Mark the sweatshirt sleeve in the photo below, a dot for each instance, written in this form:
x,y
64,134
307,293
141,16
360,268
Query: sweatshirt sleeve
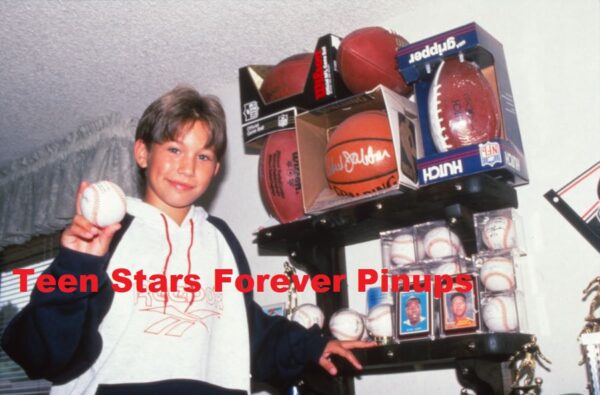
x,y
55,336
281,349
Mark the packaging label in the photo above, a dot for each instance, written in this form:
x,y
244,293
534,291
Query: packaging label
x,y
490,154
443,170
323,84
436,49
250,111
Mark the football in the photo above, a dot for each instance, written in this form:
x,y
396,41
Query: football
x,y
279,176
367,58
463,107
360,155
287,78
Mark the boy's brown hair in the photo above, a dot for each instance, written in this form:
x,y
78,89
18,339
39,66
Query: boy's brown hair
x,y
179,108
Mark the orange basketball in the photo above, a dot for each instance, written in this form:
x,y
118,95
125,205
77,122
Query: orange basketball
x,y
360,155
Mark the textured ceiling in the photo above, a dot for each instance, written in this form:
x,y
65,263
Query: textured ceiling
x,y
64,63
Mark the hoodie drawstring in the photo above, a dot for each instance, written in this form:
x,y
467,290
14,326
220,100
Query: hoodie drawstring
x,y
189,259
166,259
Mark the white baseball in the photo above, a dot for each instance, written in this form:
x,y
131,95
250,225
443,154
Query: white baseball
x,y
447,268
308,315
500,314
346,324
441,242
103,203
497,274
404,251
379,320
499,233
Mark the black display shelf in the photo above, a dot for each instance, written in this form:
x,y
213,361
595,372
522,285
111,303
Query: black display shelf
x,y
316,245
440,353
455,200
479,361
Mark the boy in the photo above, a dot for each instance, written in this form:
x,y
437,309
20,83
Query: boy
x,y
203,342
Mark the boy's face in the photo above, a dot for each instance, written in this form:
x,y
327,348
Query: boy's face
x,y
178,172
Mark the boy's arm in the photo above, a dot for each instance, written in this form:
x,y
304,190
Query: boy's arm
x,y
281,349
56,335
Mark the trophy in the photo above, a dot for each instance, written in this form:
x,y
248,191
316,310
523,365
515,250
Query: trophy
x,y
524,363
590,338
292,295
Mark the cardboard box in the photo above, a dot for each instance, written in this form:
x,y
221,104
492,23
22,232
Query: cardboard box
x,y
323,85
314,127
504,156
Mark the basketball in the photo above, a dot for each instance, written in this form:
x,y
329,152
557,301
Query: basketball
x,y
367,58
279,176
287,78
360,155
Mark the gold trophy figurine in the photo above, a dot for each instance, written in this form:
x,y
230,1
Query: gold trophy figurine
x,y
589,338
524,362
292,300
592,323
594,284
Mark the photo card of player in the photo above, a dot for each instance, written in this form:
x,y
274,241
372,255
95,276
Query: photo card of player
x,y
460,309
414,315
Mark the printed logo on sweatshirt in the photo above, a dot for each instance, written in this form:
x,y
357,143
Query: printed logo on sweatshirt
x,y
174,313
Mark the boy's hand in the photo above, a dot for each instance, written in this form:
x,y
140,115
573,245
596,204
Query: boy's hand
x,y
83,236
342,348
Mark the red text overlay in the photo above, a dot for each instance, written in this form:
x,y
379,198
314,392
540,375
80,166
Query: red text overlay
x,y
123,280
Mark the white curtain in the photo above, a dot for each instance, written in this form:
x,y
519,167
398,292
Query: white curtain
x,y
37,192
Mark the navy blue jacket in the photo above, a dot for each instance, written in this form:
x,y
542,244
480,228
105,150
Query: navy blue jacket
x,y
56,336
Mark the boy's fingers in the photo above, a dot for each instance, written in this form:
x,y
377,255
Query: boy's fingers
x,y
80,232
80,220
328,366
108,232
358,344
350,357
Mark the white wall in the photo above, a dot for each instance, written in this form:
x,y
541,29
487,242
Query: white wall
x,y
552,50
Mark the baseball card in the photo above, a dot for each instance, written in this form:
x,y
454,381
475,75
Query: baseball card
x,y
460,311
413,315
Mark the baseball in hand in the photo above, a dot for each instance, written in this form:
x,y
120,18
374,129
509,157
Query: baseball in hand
x,y
103,203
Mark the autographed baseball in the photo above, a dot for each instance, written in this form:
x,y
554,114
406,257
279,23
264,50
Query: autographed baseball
x,y
379,320
346,324
103,203
500,314
441,242
403,250
308,315
497,274
499,233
